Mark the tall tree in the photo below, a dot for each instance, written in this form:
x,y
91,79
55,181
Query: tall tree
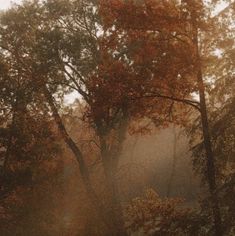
x,y
194,10
145,51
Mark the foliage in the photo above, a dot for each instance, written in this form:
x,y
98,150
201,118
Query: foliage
x,y
128,62
153,215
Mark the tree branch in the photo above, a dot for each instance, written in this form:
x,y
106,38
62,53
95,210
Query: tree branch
x,y
192,103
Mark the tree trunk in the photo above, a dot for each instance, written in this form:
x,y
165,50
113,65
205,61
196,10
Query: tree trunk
x,y
114,204
174,160
210,159
110,160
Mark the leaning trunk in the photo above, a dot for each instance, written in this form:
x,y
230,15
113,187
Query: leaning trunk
x,y
96,202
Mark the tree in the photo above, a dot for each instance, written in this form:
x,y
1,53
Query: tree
x,y
193,20
42,66
210,163
109,113
96,48
217,67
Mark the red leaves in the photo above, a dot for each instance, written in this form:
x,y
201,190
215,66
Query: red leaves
x,y
144,49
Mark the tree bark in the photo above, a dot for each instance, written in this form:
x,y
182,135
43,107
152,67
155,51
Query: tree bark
x,y
210,159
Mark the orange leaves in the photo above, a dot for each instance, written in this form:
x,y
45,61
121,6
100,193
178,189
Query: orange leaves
x,y
108,88
144,49
154,215
149,36
148,15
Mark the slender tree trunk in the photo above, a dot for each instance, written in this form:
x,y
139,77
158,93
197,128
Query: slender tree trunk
x,y
174,160
210,159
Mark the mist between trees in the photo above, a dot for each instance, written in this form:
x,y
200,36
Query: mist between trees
x,y
147,148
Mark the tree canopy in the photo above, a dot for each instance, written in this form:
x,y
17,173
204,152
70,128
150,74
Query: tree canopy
x,y
135,66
